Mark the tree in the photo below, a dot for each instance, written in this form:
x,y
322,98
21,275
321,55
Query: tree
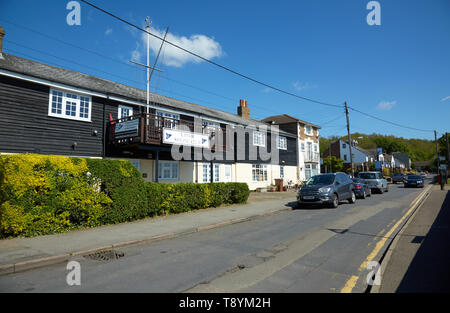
x,y
333,163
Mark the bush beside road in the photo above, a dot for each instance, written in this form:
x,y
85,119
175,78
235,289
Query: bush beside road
x,y
50,194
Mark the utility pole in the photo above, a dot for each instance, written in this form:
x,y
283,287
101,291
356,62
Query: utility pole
x,y
438,162
448,151
437,151
147,20
331,163
448,155
349,139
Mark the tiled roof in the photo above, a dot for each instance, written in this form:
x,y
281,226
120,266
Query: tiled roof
x,y
285,119
71,78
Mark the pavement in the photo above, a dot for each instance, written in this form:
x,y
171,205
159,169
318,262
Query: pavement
x,y
417,260
20,254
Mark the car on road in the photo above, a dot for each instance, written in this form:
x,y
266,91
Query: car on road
x,y
375,180
398,178
362,190
413,181
327,189
423,175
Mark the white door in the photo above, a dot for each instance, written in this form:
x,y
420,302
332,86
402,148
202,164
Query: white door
x,y
227,177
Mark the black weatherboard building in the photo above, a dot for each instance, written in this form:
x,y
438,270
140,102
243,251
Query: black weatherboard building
x,y
50,110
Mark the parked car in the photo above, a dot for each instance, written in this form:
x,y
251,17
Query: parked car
x,y
327,189
362,190
413,180
398,178
375,180
423,175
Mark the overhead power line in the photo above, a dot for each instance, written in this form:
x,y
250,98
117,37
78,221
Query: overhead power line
x,y
389,122
209,61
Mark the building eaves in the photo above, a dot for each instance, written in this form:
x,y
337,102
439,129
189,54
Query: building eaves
x,y
80,80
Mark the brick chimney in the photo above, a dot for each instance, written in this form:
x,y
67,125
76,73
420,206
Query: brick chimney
x,y
2,33
243,110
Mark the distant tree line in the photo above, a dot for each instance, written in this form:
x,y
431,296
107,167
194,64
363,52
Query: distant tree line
x,y
416,149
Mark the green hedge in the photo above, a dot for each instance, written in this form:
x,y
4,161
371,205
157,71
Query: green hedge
x,y
181,197
123,184
42,194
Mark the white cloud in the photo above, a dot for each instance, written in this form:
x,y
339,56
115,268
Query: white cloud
x,y
136,53
108,31
385,105
303,86
202,45
445,99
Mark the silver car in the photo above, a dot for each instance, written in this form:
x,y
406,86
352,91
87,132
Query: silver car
x,y
375,180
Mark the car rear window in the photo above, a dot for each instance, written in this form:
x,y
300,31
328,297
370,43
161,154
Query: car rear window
x,y
367,175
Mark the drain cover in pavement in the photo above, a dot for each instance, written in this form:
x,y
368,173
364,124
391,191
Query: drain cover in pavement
x,y
106,255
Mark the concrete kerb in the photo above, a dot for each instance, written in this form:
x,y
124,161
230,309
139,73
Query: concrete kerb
x,y
393,245
52,260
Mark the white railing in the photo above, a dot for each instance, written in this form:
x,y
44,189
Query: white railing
x,y
311,157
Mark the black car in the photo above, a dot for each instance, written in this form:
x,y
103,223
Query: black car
x,y
413,180
362,190
398,178
327,189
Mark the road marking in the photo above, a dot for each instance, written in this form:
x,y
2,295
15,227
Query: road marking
x,y
352,282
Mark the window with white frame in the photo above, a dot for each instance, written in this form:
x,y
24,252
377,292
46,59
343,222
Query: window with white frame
x,y
302,146
282,143
216,173
308,130
281,171
207,173
125,111
259,139
171,120
69,105
259,172
210,124
315,148
168,170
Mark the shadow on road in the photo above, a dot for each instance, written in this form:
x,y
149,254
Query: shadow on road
x,y
429,271
294,205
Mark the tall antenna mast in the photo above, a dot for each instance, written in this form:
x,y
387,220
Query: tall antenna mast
x,y
147,20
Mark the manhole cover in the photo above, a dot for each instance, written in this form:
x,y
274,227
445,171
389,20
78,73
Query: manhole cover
x,y
106,255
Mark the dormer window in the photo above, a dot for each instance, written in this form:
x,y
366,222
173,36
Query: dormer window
x,y
308,130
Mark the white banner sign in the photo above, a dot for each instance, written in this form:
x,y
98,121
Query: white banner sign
x,y
184,138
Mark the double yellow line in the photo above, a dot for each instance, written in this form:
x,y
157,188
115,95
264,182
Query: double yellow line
x,y
351,282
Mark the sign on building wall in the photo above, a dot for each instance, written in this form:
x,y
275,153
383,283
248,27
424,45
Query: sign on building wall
x,y
127,129
178,137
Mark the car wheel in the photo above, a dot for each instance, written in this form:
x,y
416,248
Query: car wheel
x,y
381,190
335,202
352,199
364,194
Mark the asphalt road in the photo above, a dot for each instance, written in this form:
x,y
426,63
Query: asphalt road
x,y
303,250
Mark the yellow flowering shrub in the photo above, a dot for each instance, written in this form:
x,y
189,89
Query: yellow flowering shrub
x,y
41,194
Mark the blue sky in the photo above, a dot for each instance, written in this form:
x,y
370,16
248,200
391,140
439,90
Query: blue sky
x,y
323,50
